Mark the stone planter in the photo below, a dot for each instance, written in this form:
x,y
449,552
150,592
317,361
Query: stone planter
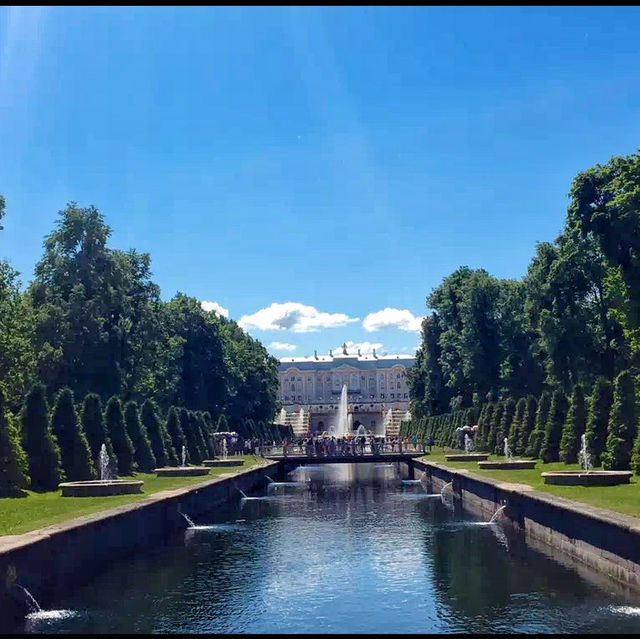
x,y
591,478
467,457
181,471
216,463
516,464
101,488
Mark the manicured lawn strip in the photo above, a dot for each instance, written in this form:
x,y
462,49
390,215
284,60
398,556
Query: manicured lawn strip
x,y
38,510
624,498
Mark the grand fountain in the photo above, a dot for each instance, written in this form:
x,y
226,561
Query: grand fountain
x,y
104,486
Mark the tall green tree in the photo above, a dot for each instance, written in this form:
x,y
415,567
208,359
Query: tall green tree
x,y
623,424
75,452
39,442
550,449
536,438
574,427
174,428
494,427
527,425
505,425
598,419
151,422
94,428
13,460
191,441
516,427
117,432
143,454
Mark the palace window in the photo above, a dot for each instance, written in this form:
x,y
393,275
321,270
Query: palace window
x,y
392,396
398,384
382,395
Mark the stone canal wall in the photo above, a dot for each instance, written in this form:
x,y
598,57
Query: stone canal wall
x,y
604,541
51,561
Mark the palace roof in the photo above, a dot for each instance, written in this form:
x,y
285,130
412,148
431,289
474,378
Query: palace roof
x,y
329,362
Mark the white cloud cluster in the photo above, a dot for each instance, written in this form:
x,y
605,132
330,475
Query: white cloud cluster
x,y
366,348
282,346
215,307
293,316
402,319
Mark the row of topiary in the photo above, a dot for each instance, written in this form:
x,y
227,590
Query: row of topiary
x,y
39,448
550,428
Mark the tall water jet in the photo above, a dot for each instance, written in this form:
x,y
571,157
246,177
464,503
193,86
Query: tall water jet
x,y
583,456
350,422
468,444
507,451
184,456
105,473
342,425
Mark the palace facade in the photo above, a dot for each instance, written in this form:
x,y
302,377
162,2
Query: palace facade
x,y
377,392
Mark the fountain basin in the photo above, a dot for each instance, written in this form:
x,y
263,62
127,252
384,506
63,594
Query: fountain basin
x,y
467,457
584,478
215,463
516,464
101,488
181,471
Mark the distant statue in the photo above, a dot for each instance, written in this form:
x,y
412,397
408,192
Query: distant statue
x,y
344,348
359,353
330,353
374,352
315,354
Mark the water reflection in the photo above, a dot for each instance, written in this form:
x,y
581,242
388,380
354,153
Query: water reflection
x,y
353,549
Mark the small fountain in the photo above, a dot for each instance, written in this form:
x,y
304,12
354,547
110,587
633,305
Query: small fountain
x,y
350,422
587,476
509,463
469,446
103,487
225,461
182,471
497,514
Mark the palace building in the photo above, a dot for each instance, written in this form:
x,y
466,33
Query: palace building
x,y
377,392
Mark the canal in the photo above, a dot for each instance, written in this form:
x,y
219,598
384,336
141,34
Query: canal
x,y
345,549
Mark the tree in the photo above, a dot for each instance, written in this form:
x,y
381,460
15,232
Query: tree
x,y
623,424
39,442
152,424
221,425
13,460
116,429
550,449
598,419
574,427
191,441
516,427
198,436
174,428
143,454
528,424
484,424
505,425
496,420
94,428
534,443
75,452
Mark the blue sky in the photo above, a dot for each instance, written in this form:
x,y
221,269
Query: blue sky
x,y
334,162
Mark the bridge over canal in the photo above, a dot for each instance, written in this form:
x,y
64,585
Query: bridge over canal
x,y
289,462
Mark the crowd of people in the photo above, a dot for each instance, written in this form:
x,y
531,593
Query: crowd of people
x,y
331,446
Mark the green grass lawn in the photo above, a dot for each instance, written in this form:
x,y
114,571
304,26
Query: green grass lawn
x,y
623,499
20,515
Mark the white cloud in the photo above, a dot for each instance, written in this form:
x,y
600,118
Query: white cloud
x,y
410,349
282,346
403,319
215,307
366,348
293,316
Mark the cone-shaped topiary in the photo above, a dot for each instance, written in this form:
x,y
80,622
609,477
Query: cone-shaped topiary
x,y
117,432
534,444
40,443
598,419
222,426
96,433
550,449
207,429
527,425
142,452
516,426
623,424
151,422
174,428
74,447
494,427
574,427
190,437
13,459
484,424
197,431
505,425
